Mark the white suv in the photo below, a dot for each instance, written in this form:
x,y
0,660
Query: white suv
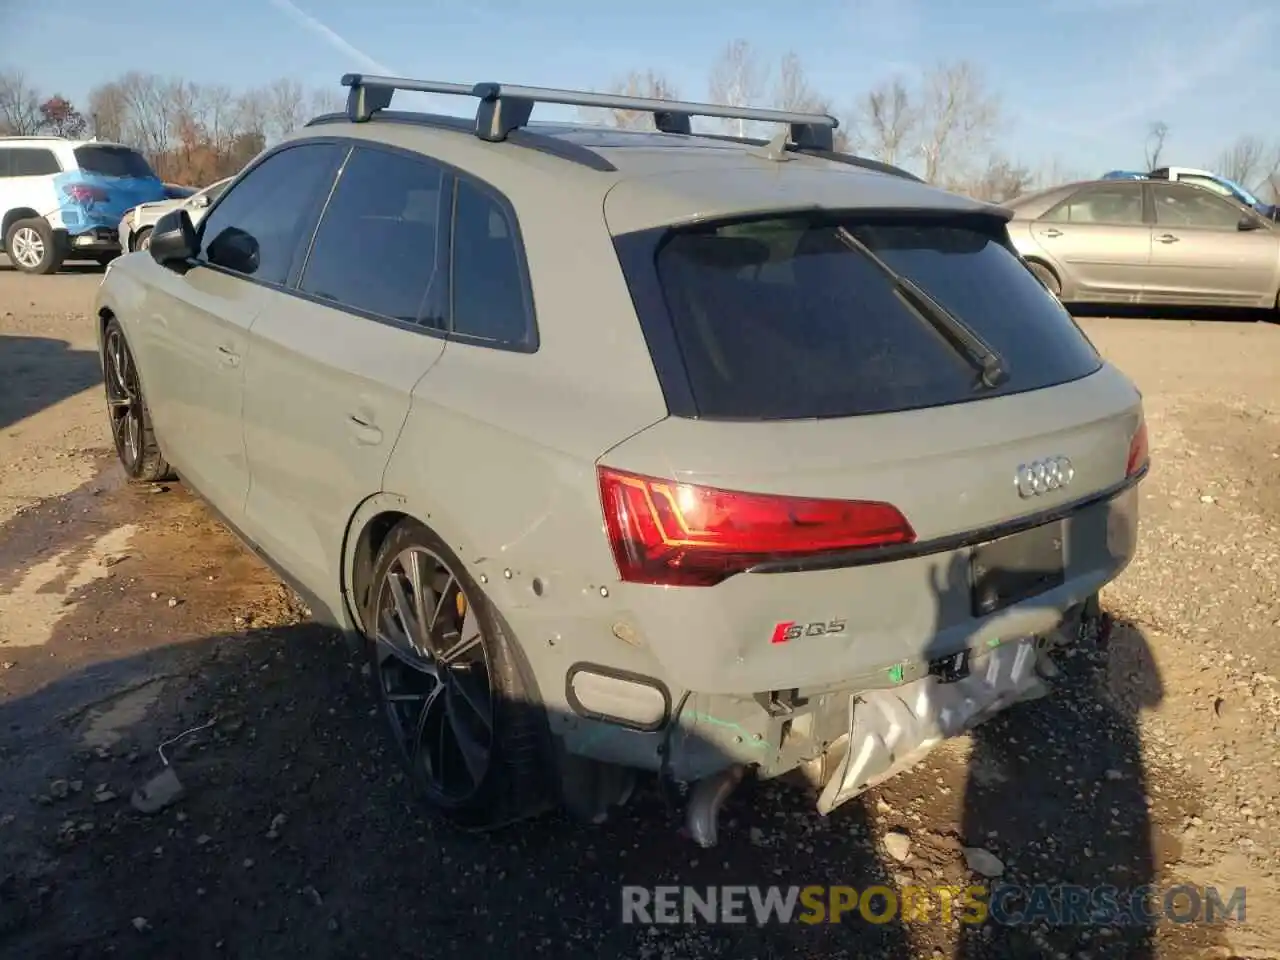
x,y
62,199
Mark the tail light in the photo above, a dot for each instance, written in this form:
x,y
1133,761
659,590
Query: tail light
x,y
680,534
81,193
1139,453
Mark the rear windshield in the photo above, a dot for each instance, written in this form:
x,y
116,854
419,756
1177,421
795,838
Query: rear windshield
x,y
783,319
113,162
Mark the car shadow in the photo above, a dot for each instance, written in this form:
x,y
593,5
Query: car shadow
x,y
1195,314
68,266
299,835
38,372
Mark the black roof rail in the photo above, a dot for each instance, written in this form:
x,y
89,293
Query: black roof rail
x,y
505,108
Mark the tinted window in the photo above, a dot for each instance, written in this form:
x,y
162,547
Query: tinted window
x,y
113,162
488,279
1117,204
4,162
376,246
257,226
782,318
30,162
1193,207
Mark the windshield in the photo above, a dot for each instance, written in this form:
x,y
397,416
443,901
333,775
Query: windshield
x,y
780,319
113,162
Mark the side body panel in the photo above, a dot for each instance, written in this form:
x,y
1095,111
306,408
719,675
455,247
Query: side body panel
x,y
326,395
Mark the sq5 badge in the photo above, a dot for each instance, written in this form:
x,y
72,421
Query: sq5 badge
x,y
790,630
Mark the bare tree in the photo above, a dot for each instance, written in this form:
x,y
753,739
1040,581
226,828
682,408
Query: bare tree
x,y
108,111
648,84
1250,162
326,100
958,117
1002,180
792,91
286,107
889,121
19,105
738,79
1157,133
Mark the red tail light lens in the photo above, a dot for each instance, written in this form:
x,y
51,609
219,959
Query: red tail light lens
x,y
1139,453
680,534
84,194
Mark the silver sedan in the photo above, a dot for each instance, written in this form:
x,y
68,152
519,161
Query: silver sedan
x,y
1147,242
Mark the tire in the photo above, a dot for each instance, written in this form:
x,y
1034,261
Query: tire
x,y
493,708
32,246
128,414
142,239
1046,277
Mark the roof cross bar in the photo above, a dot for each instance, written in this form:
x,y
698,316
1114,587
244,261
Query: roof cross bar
x,y
507,107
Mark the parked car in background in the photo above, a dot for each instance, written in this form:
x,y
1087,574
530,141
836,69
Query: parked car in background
x,y
811,519
137,223
1148,241
62,199
1123,175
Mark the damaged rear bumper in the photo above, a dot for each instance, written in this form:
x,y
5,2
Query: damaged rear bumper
x,y
846,742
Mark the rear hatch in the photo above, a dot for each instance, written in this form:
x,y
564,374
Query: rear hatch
x,y
110,179
860,401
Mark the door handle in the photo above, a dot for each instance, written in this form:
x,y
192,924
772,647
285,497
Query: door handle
x,y
365,430
1167,238
229,356
1053,232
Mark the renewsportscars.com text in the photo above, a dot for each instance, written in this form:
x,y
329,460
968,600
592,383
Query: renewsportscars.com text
x,y
1005,904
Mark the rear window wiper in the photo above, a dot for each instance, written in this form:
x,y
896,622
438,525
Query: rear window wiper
x,y
962,338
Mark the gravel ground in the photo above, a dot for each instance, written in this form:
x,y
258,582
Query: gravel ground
x,y
127,616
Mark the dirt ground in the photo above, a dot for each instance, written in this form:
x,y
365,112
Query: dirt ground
x,y
127,617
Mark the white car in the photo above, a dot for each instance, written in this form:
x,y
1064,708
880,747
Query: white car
x,y
137,223
62,199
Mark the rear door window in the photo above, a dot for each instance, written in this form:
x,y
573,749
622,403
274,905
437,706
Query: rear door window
x,y
377,247
33,162
113,162
783,319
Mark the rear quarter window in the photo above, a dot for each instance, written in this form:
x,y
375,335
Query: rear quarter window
x,y
113,162
782,319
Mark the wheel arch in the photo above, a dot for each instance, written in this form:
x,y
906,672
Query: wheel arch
x,y
138,234
13,216
367,529
1041,261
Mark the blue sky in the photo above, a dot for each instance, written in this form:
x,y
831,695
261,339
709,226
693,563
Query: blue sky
x,y
1079,80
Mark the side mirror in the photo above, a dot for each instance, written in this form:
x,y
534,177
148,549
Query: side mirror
x,y
173,240
1246,223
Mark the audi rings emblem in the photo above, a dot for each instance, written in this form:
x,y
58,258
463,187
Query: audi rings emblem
x,y
1041,476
